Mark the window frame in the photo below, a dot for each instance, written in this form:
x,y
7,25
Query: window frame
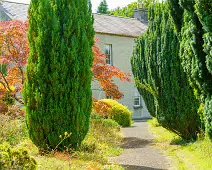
x,y
135,100
108,56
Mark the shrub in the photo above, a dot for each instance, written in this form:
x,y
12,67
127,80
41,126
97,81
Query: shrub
x,y
17,158
121,114
107,123
12,131
102,140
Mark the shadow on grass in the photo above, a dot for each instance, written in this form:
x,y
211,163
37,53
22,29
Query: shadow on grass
x,y
133,142
133,167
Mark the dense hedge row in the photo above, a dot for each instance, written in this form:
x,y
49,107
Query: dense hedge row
x,y
157,67
57,93
195,36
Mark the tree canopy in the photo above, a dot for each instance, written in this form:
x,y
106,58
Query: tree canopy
x,y
103,7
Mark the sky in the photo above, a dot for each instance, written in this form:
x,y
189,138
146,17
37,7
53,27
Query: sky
x,y
95,3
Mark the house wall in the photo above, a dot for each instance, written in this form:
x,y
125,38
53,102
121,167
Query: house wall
x,y
122,50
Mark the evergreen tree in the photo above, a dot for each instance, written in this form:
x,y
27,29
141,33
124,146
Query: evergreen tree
x,y
194,27
158,71
103,7
57,93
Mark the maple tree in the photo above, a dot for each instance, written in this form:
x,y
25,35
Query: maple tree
x,y
105,75
14,52
14,48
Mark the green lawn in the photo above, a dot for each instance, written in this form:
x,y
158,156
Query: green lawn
x,y
187,156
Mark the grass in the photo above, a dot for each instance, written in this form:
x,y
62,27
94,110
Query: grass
x,y
102,142
187,156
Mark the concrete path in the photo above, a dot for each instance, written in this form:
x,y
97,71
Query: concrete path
x,y
139,152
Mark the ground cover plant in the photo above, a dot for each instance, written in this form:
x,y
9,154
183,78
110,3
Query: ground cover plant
x,y
194,155
103,140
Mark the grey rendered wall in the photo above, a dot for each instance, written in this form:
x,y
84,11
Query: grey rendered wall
x,y
122,49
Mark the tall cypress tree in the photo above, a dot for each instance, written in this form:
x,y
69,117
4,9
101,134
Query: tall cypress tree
x,y
103,7
195,35
156,65
57,93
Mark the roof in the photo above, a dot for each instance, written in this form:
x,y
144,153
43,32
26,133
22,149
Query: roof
x,y
16,11
105,24
109,24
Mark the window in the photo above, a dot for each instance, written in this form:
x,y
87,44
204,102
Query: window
x,y
108,53
137,101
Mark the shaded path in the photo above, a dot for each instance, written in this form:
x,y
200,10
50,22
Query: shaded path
x,y
139,153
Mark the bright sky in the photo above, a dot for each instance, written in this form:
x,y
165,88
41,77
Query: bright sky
x,y
111,3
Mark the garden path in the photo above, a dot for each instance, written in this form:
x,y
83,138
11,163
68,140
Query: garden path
x,y
139,151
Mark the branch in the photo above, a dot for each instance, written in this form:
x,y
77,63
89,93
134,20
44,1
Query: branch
x,y
5,80
18,99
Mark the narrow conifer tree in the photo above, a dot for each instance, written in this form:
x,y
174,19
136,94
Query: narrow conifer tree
x,y
57,92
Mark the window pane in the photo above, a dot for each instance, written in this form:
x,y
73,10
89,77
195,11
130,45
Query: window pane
x,y
108,53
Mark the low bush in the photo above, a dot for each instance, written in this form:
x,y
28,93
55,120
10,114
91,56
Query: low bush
x,y
12,130
102,140
17,158
107,123
121,114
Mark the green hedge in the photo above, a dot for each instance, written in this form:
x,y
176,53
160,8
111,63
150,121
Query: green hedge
x,y
195,35
157,68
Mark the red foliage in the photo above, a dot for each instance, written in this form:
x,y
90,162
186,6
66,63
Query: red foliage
x,y
14,50
105,74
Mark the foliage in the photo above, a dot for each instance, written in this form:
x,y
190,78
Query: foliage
x,y
148,96
157,67
147,3
15,158
127,11
104,74
14,53
120,113
103,7
103,138
57,92
195,32
12,131
102,141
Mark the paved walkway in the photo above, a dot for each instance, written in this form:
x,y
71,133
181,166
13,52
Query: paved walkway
x,y
139,152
